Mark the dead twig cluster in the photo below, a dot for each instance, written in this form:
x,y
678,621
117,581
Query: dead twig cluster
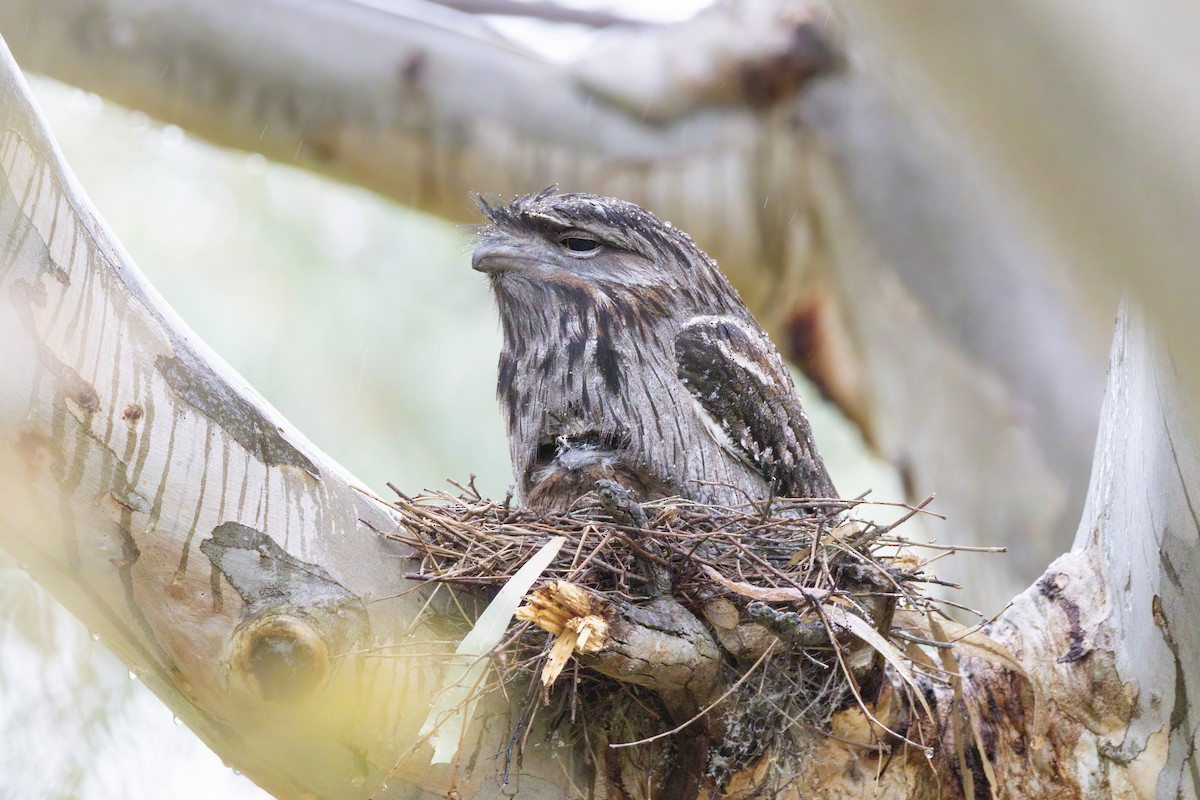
x,y
807,546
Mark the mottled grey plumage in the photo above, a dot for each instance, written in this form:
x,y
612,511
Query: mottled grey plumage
x,y
628,356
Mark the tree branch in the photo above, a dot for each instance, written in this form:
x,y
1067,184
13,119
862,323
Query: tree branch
x,y
216,551
229,561
1108,635
1091,130
534,9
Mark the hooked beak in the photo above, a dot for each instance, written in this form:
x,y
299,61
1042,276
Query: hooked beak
x,y
493,257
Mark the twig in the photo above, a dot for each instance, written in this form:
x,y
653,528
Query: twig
x,y
704,710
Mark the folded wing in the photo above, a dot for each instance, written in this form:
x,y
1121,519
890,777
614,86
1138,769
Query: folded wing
x,y
741,385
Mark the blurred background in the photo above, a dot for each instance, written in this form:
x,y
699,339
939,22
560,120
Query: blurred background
x,y
358,318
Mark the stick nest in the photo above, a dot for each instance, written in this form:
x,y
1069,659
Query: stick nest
x,y
784,565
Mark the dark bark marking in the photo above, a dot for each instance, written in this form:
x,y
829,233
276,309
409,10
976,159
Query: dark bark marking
x,y
1181,724
197,384
809,54
1051,589
981,784
85,399
1164,561
214,583
1183,483
413,69
265,575
321,146
186,550
804,343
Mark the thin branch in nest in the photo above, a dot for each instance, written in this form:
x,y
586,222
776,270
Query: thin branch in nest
x,y
702,711
912,512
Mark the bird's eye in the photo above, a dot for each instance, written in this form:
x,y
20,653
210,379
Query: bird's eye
x,y
579,244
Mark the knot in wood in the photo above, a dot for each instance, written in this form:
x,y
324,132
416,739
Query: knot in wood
x,y
280,658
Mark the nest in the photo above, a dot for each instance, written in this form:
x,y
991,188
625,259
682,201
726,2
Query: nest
x,y
823,590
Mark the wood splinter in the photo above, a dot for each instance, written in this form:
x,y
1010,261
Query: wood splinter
x,y
576,618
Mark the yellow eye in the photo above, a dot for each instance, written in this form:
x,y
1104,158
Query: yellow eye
x,y
579,244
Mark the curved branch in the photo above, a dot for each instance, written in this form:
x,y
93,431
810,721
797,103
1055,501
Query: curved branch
x,y
1108,634
1092,130
223,557
416,101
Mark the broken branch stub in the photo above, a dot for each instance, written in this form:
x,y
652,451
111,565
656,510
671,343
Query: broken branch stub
x,y
567,612
660,645
294,615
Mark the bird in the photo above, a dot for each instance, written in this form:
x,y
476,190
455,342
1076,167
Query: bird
x,y
627,356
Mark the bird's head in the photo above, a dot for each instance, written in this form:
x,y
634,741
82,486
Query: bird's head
x,y
583,241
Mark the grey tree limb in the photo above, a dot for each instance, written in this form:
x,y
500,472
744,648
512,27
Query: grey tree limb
x,y
1108,634
1085,114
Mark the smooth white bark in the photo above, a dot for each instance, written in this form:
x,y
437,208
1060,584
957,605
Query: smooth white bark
x,y
1142,532
1109,634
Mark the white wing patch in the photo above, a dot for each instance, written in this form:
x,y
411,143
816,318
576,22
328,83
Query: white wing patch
x,y
738,358
720,434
